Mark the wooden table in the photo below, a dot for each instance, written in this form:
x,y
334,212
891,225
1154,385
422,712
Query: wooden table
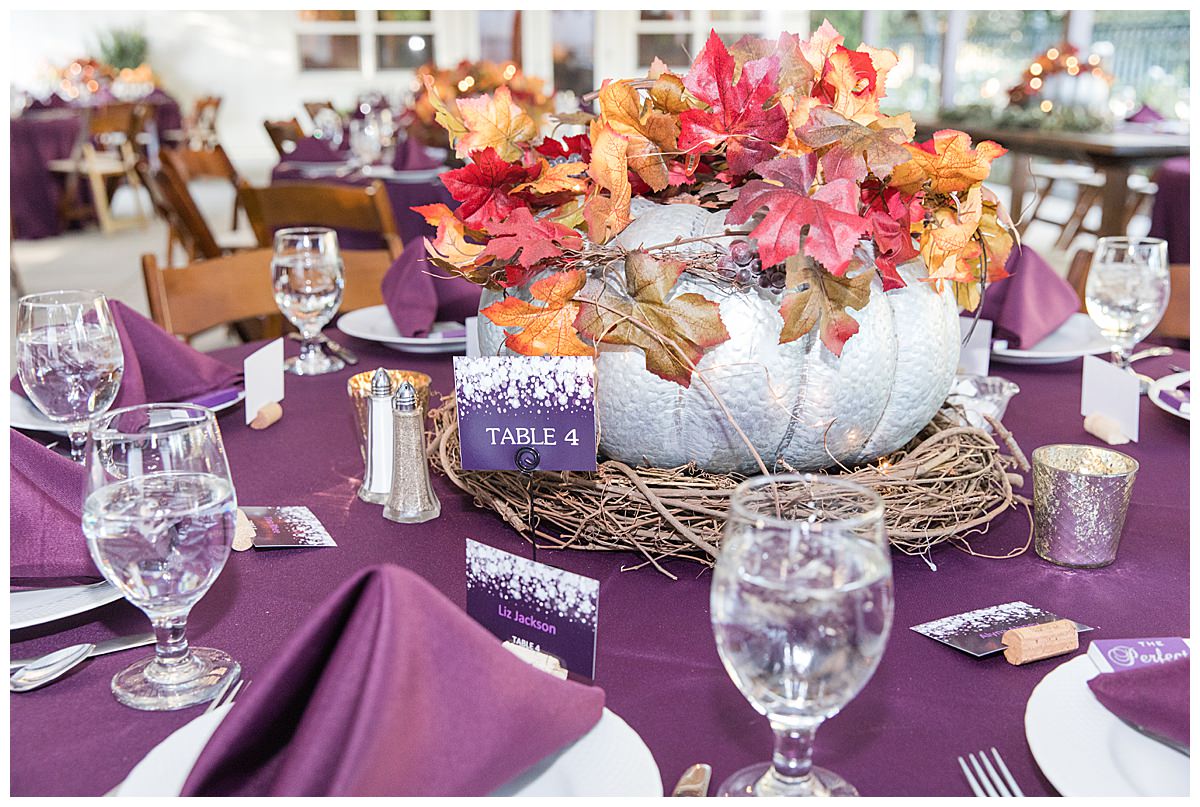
x,y
1114,153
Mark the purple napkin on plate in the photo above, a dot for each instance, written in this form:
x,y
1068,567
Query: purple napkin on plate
x,y
418,294
411,156
1029,305
1153,698
1146,114
312,150
388,688
158,367
46,544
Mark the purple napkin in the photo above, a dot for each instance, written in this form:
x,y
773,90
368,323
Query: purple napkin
x,y
411,156
158,367
312,150
1031,304
47,547
418,294
1146,114
388,688
1153,698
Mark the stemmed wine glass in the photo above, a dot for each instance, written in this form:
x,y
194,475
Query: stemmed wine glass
x,y
801,610
1128,287
308,278
366,139
159,514
69,358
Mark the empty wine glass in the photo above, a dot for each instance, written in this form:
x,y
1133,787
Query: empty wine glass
x,y
366,139
801,610
307,276
328,125
1128,286
69,358
159,514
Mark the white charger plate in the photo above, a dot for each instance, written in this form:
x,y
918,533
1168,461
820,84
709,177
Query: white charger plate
x,y
610,760
1165,384
1075,338
24,415
1085,750
38,606
375,324
409,177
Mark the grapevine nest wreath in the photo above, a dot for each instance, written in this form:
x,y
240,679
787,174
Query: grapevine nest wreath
x,y
946,485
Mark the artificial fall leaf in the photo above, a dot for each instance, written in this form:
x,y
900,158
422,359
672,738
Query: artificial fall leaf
x,y
494,122
454,126
451,243
849,149
889,214
822,300
996,232
558,178
535,239
607,208
738,116
948,162
820,46
568,214
797,109
570,147
484,187
829,214
673,334
848,85
903,122
651,134
947,242
580,118
657,68
547,330
794,71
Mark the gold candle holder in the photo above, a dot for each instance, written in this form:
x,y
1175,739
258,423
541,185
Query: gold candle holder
x,y
358,387
1080,496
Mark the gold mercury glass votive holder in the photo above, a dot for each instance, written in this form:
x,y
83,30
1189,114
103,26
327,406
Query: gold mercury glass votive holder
x,y
1080,496
358,387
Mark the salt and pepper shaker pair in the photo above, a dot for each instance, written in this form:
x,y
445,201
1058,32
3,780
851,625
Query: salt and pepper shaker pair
x,y
397,473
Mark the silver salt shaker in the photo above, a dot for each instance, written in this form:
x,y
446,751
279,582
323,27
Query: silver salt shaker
x,y
412,499
377,480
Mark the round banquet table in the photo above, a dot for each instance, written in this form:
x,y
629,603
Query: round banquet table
x,y
656,659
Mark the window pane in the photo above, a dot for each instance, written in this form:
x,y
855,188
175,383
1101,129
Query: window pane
x,y
736,16
671,48
574,42
848,24
500,36
998,47
327,16
678,16
1147,54
328,52
403,52
916,37
404,16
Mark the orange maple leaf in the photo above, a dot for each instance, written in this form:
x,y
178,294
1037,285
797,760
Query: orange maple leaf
x,y
450,244
547,330
948,162
493,122
651,134
563,177
607,215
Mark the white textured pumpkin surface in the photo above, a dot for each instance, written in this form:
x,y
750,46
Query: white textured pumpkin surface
x,y
795,402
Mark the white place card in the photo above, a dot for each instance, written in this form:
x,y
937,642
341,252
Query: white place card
x,y
1110,391
472,325
976,354
263,370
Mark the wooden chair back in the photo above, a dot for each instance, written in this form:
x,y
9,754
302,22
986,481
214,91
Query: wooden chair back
x,y
1176,321
193,228
121,118
206,162
283,131
303,204
213,292
314,107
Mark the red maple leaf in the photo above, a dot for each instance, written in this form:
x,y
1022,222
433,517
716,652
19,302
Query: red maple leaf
x,y
571,146
889,214
483,187
535,239
830,214
736,116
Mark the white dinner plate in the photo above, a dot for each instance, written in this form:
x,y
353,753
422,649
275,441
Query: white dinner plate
x,y
1166,384
24,415
389,174
1085,750
318,169
38,606
375,324
1075,338
610,760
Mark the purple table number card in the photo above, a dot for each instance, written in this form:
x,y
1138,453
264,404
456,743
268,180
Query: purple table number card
x,y
549,610
978,632
507,404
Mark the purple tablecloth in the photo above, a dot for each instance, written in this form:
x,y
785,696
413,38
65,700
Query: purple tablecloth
x,y
1171,216
656,659
36,139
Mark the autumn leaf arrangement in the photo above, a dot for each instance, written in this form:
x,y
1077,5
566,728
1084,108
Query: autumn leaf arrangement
x,y
822,192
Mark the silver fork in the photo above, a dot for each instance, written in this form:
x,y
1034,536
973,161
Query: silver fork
x,y
226,695
994,783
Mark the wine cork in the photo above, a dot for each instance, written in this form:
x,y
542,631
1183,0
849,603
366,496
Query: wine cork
x,y
1035,642
267,415
243,533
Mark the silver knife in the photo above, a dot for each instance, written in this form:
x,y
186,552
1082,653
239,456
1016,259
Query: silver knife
x,y
1167,741
333,347
101,648
694,781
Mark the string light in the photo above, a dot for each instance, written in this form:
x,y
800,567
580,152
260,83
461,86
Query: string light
x,y
1052,54
1046,105
1035,83
509,72
1073,70
1094,59
1035,69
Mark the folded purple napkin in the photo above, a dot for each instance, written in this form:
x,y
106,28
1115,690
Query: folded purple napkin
x,y
1029,305
388,688
418,294
1146,114
158,367
312,150
411,156
1154,698
46,547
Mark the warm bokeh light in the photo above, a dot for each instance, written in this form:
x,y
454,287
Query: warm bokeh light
x,y
1035,68
1052,53
1035,84
1046,106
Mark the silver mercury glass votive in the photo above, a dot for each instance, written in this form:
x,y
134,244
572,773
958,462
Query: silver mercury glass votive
x,y
1080,495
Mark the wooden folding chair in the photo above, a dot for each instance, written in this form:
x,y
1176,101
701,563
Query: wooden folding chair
x,y
209,161
312,108
283,132
1176,321
192,229
201,126
302,204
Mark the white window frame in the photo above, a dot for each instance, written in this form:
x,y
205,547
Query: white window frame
x,y
367,26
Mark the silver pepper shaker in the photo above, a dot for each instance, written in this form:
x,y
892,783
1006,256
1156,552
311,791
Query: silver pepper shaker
x,y
412,499
377,480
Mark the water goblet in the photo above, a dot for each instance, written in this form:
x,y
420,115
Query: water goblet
x,y
328,127
69,358
159,514
1128,286
366,139
308,279
801,610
